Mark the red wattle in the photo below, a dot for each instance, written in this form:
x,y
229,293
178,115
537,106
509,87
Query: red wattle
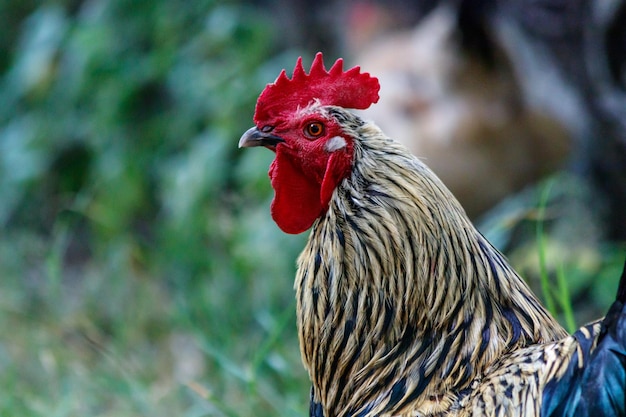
x,y
296,203
337,168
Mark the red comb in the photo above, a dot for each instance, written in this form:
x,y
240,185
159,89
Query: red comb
x,y
349,89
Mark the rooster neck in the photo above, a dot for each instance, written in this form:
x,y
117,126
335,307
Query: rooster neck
x,y
400,300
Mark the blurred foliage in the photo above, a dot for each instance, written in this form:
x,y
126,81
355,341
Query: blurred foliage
x,y
553,236
131,226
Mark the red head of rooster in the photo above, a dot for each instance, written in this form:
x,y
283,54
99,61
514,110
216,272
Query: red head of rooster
x,y
313,153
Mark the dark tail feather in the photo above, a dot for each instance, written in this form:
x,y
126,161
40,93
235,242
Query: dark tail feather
x,y
621,288
595,386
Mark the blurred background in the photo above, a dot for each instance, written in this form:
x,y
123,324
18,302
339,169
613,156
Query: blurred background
x,y
140,271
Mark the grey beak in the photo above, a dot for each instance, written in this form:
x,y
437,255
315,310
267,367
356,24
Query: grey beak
x,y
254,137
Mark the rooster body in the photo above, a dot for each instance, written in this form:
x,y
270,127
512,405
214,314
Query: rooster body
x,y
403,307
417,285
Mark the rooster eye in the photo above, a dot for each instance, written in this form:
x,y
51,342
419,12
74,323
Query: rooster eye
x,y
314,130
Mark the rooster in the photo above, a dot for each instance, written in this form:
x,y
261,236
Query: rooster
x,y
403,307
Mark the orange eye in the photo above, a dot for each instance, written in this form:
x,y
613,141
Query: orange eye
x,y
314,129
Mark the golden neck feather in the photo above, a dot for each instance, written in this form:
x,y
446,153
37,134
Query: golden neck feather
x,y
400,300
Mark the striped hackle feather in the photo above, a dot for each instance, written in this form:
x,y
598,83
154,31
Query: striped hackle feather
x,y
402,303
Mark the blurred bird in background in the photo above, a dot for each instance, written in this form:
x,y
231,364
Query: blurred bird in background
x,y
462,111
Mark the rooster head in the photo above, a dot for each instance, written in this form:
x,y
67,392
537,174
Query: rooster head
x,y
297,118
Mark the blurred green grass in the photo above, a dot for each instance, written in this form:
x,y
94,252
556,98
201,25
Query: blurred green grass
x,y
141,274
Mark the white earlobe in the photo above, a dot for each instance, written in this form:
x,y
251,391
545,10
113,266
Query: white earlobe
x,y
334,144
